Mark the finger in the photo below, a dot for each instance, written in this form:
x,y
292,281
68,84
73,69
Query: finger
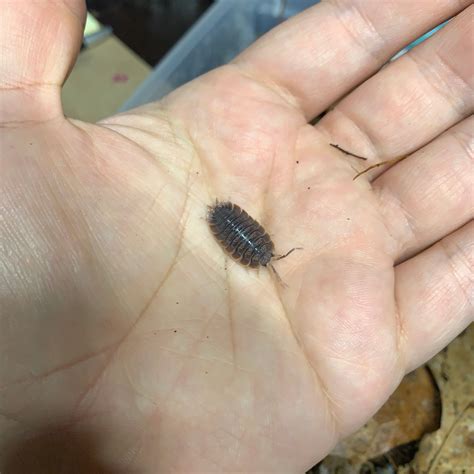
x,y
412,100
326,51
39,42
429,195
434,291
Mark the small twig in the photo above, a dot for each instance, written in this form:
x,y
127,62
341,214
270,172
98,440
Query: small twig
x,y
347,152
386,162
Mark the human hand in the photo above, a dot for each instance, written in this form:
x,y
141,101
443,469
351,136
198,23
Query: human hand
x,y
130,343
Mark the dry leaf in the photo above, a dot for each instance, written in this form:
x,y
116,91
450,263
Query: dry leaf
x,y
450,449
411,411
391,437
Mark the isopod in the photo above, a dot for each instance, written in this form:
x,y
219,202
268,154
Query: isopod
x,y
242,237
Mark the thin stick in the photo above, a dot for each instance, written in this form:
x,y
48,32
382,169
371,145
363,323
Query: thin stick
x,y
347,152
386,162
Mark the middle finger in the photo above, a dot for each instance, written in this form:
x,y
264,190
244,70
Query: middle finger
x,y
411,101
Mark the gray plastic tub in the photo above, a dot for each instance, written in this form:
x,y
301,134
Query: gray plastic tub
x,y
223,31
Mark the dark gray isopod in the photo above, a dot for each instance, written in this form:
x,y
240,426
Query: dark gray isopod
x,y
242,236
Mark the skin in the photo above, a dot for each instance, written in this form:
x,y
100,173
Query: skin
x,y
129,343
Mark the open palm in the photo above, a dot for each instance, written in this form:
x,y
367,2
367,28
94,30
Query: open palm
x,y
131,343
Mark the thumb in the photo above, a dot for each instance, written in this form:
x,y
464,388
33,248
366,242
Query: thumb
x,y
39,41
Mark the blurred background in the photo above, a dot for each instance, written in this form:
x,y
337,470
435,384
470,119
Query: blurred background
x,y
149,27
136,51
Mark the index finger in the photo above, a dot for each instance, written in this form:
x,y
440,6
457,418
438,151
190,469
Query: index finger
x,y
323,53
